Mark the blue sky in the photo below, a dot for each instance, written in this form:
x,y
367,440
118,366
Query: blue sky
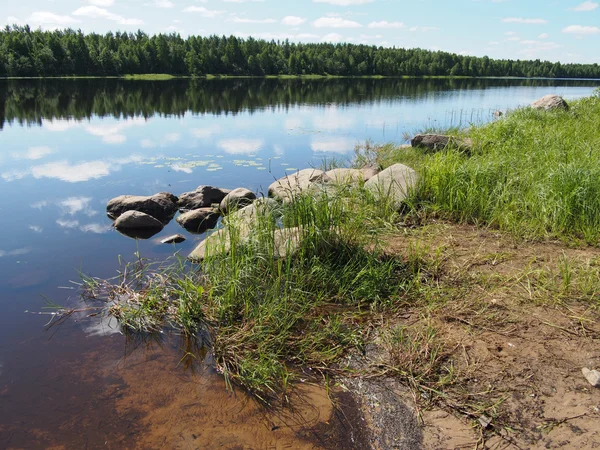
x,y
556,30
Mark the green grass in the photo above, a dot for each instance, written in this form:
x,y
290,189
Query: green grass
x,y
534,174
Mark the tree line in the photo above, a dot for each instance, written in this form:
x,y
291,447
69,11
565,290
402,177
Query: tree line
x,y
28,102
25,52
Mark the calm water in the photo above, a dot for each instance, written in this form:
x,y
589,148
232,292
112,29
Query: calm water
x,y
67,147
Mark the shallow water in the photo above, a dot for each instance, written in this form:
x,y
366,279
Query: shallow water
x,y
67,147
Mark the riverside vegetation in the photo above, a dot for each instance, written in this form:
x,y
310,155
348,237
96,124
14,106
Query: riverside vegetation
x,y
368,274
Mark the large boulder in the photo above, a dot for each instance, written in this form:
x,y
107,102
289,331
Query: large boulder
x,y
236,199
162,206
393,183
137,220
248,215
440,141
286,241
350,176
199,220
550,102
202,197
290,186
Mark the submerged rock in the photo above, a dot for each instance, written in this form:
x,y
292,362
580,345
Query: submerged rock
x,y
199,220
393,184
202,197
175,239
350,176
440,142
550,102
161,206
286,188
137,220
236,199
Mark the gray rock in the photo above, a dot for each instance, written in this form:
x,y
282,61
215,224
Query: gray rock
x,y
593,376
393,183
202,197
162,206
236,199
286,188
137,220
199,220
248,214
440,142
175,239
550,102
286,241
350,176
497,114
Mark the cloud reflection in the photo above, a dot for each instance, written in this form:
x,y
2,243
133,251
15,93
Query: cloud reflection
x,y
33,153
17,252
332,145
73,205
96,228
241,146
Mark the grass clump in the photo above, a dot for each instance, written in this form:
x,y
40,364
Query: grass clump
x,y
534,173
272,307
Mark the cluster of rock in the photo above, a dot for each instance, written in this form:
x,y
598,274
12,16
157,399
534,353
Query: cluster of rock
x,y
201,209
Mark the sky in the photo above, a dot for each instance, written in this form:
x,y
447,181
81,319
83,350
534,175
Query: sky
x,y
554,30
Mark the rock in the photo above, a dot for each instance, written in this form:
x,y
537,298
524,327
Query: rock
x,y
369,172
162,206
139,233
202,197
236,199
286,241
286,188
248,214
350,176
137,220
497,114
199,220
550,102
394,182
175,239
216,243
440,142
593,376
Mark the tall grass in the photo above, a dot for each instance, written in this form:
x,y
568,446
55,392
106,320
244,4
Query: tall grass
x,y
535,174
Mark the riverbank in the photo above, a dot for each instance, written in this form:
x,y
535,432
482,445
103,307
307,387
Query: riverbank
x,y
455,300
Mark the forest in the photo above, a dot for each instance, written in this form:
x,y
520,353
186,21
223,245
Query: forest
x,y
25,52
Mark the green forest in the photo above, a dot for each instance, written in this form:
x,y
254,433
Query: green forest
x,y
25,52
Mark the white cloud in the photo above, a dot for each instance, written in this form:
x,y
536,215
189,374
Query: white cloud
x,y
36,228
163,4
241,146
293,21
67,223
93,12
101,2
332,37
147,143
581,30
385,24
112,133
423,29
543,36
246,20
344,2
335,22
585,6
204,12
239,1
524,20
49,18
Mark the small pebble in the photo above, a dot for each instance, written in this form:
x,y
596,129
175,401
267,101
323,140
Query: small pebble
x,y
175,239
593,376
